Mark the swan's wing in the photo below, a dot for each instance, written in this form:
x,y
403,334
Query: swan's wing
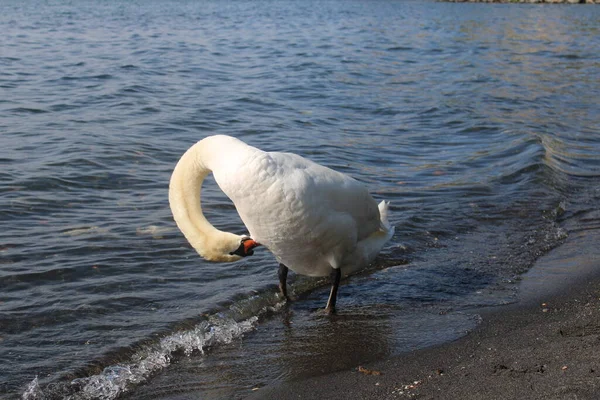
x,y
283,188
330,192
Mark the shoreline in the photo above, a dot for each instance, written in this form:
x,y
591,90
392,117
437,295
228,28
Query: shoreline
x,y
543,347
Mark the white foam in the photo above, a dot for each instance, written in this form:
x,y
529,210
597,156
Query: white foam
x,y
116,379
33,391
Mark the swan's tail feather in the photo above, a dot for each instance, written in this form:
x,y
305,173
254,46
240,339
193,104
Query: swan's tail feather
x,y
367,249
383,214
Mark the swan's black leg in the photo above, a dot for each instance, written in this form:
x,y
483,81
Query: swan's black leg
x,y
336,275
283,271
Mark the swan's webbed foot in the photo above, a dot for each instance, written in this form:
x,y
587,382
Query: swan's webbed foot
x,y
283,272
336,275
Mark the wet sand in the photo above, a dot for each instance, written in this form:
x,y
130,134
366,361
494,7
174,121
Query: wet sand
x,y
545,347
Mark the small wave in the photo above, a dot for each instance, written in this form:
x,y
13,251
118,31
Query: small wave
x,y
570,157
400,48
96,77
27,110
136,89
569,56
9,59
155,231
136,364
85,231
117,379
63,107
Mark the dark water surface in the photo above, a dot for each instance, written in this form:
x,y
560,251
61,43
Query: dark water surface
x,y
479,122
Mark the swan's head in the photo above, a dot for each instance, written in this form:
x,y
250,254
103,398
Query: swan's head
x,y
245,248
225,247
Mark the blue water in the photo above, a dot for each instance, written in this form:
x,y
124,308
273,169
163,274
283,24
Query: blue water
x,y
479,122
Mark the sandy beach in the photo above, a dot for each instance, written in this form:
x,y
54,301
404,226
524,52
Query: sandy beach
x,y
546,346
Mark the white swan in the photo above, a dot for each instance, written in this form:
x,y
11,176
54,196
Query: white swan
x,y
315,220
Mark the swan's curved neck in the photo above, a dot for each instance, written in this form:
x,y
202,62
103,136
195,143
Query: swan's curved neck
x,y
184,198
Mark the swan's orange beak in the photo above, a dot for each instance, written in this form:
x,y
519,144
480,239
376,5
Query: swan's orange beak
x,y
245,248
249,244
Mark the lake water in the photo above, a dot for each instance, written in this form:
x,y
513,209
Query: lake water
x,y
479,122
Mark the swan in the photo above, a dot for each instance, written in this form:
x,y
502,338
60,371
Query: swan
x,y
315,221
